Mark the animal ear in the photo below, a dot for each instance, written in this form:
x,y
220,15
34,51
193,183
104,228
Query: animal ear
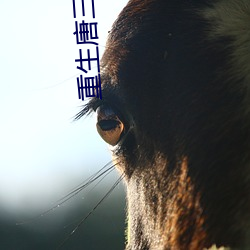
x,y
109,126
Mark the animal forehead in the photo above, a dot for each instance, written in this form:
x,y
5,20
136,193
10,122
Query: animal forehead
x,y
146,35
150,37
152,40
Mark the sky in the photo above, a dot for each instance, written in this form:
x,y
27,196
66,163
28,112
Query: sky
x,y
43,152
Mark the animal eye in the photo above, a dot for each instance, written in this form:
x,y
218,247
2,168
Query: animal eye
x,y
109,126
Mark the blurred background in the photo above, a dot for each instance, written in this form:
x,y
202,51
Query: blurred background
x,y
44,154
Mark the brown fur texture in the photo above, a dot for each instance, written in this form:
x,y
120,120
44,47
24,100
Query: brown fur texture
x,y
177,74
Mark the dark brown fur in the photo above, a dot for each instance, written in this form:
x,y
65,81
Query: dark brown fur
x,y
185,151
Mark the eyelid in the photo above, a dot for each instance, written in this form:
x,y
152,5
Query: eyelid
x,y
107,111
95,103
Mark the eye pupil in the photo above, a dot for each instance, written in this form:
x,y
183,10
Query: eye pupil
x,y
106,125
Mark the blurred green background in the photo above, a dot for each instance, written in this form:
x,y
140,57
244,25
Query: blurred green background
x,y
104,229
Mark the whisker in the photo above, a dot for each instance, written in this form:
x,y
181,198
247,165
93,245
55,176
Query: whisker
x,y
108,172
103,171
93,209
70,224
87,182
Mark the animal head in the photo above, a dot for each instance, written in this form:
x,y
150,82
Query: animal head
x,y
175,106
